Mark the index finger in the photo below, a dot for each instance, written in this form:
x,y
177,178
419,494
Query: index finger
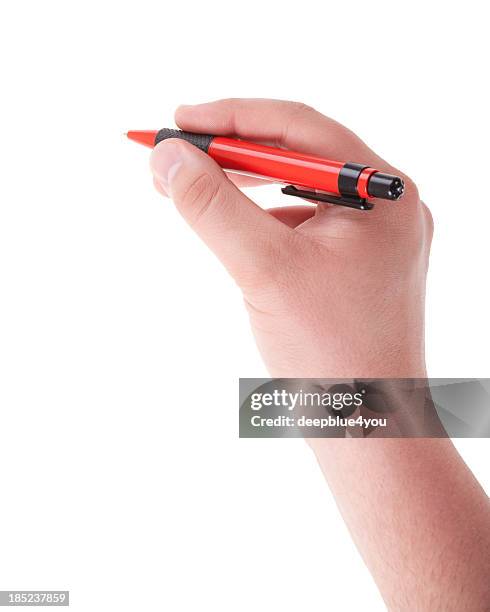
x,y
290,125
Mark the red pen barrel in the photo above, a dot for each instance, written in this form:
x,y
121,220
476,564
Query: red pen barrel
x,y
354,182
288,167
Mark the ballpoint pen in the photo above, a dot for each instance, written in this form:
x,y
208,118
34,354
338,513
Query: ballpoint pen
x,y
307,176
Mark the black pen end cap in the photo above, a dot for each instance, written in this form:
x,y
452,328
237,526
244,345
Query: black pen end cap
x,y
385,186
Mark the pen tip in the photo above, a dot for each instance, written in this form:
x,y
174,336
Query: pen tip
x,y
144,137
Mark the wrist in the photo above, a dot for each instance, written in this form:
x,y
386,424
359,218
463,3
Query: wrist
x,y
369,364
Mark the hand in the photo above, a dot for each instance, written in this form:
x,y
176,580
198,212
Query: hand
x,y
332,292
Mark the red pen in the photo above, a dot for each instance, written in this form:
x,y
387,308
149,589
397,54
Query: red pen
x,y
345,183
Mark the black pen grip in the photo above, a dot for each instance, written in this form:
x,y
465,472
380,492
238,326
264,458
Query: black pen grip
x,y
201,141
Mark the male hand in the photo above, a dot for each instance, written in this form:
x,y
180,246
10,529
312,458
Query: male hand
x,y
331,291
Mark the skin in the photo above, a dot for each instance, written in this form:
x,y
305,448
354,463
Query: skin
x,y
333,292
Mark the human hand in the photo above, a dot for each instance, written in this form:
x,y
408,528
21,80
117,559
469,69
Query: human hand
x,y
338,293
331,292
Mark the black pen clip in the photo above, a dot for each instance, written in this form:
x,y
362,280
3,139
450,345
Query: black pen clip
x,y
345,200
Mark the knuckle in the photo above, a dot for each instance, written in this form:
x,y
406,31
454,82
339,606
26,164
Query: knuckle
x,y
198,197
227,101
300,108
429,220
297,111
417,240
427,212
411,189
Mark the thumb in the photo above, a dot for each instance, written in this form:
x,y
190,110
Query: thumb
x,y
246,239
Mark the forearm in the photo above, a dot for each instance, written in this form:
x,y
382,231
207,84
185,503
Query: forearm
x,y
418,517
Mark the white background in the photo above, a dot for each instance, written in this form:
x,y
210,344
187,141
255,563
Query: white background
x,y
122,338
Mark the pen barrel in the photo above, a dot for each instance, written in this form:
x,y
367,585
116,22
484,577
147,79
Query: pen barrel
x,y
278,165
288,167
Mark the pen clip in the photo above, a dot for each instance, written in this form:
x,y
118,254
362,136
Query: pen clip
x,y
345,200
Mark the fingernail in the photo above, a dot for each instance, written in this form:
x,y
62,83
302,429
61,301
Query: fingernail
x,y
166,159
